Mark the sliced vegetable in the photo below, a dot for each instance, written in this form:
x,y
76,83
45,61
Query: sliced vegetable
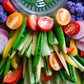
x,y
54,62
60,35
45,46
38,50
7,5
81,40
44,77
9,45
70,49
63,16
80,45
75,51
81,33
72,28
82,54
14,20
32,22
45,23
3,42
78,77
14,77
51,38
22,29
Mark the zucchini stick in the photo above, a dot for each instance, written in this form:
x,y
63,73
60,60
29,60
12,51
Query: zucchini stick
x,y
13,53
61,59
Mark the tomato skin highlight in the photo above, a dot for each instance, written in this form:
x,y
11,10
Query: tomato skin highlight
x,y
45,23
7,5
44,77
15,76
32,22
72,28
54,62
70,49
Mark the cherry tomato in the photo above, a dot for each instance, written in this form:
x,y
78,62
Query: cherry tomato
x,y
15,76
7,5
54,61
82,54
14,20
72,28
63,16
32,22
70,49
45,23
44,77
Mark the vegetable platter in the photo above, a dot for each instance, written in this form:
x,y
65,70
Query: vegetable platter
x,y
42,49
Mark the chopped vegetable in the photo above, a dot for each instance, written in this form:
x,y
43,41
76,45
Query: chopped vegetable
x,y
82,54
63,16
45,23
14,20
54,62
70,49
32,22
8,6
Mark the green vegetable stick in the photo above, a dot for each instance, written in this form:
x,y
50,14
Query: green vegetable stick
x,y
38,50
59,34
19,34
7,66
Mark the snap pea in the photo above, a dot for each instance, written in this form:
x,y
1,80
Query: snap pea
x,y
7,66
62,77
51,38
60,35
2,62
80,59
38,50
22,29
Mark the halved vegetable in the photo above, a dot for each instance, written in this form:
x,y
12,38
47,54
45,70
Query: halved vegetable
x,y
54,62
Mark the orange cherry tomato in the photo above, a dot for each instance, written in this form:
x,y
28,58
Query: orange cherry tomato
x,y
63,16
54,61
14,20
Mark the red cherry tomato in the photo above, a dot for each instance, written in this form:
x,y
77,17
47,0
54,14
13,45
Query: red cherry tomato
x,y
45,23
72,28
7,5
32,22
44,77
15,76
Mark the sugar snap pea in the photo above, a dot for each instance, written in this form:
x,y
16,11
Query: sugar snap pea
x,y
51,38
38,50
60,35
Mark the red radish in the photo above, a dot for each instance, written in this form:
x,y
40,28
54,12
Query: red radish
x,y
80,45
81,40
81,32
4,30
3,41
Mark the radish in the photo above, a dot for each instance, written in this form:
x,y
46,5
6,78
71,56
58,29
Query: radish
x,y
81,32
3,41
4,30
80,45
81,40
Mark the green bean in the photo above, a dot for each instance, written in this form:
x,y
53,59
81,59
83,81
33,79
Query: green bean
x,y
38,50
7,66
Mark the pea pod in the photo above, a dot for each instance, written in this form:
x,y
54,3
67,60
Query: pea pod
x,y
7,66
51,38
38,50
60,35
22,29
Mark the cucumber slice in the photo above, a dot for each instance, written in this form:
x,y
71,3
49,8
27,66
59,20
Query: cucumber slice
x,y
28,50
45,47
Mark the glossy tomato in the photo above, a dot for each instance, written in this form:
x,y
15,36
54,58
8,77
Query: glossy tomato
x,y
7,5
45,23
44,77
15,76
32,22
63,16
72,28
14,20
54,61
